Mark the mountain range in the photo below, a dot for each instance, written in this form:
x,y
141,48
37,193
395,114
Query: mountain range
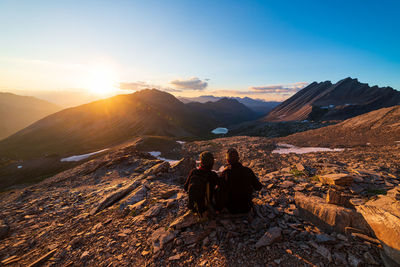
x,y
17,112
325,101
259,106
117,119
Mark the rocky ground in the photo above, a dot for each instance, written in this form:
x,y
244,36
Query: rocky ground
x,y
127,208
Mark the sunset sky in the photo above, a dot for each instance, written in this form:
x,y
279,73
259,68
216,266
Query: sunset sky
x,y
71,52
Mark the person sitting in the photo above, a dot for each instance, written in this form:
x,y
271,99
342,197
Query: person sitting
x,y
239,182
200,185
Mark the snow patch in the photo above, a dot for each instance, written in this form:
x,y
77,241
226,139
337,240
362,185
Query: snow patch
x,y
82,157
220,130
19,167
287,148
157,155
181,142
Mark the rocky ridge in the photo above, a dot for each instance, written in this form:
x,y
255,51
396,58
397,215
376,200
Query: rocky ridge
x,y
127,208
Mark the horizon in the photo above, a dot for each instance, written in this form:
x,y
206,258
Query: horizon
x,y
70,53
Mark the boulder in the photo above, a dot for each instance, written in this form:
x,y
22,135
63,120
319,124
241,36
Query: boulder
x,y
272,235
338,198
383,216
341,179
328,217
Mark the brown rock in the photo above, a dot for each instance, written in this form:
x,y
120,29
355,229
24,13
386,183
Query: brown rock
x,y
158,168
286,184
114,197
160,237
272,235
184,221
337,179
328,216
383,216
338,198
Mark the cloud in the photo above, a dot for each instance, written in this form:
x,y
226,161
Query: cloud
x,y
137,86
193,83
279,88
133,85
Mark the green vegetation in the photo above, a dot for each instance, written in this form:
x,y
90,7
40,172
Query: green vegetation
x,y
297,173
377,191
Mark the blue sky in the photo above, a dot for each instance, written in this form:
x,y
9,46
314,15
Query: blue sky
x,y
229,46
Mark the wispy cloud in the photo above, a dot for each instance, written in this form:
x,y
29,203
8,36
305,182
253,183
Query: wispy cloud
x,y
136,86
279,88
193,83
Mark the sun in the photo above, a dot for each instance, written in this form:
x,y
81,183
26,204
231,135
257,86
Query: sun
x,y
102,81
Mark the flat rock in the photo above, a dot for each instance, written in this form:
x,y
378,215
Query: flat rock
x,y
328,216
286,184
341,179
272,235
160,237
184,221
158,168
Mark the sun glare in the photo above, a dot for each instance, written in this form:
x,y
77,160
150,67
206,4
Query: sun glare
x,y
102,81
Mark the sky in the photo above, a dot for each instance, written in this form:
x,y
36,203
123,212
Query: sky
x,y
71,52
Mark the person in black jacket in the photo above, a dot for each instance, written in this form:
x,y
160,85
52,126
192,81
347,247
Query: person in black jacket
x,y
201,184
239,182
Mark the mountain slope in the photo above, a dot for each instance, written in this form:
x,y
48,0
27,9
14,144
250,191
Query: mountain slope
x,y
107,122
228,111
326,101
17,112
257,105
379,127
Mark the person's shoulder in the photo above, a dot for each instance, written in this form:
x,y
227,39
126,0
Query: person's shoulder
x,y
247,169
193,171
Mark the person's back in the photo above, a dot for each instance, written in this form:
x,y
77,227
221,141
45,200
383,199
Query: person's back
x,y
200,184
239,184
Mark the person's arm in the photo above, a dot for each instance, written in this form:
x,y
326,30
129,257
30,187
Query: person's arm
x,y
186,185
254,181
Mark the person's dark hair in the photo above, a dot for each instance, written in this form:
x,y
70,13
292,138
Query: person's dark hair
x,y
207,160
232,156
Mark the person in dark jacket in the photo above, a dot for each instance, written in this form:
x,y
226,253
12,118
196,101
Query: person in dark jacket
x,y
239,183
201,184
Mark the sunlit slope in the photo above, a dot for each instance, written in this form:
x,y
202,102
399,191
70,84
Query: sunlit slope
x,y
379,127
17,112
107,122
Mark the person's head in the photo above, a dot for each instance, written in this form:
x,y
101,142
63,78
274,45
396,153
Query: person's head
x,y
206,160
232,156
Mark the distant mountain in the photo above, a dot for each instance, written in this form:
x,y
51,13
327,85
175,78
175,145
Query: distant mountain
x,y
326,101
378,127
259,106
226,110
117,119
106,122
17,112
